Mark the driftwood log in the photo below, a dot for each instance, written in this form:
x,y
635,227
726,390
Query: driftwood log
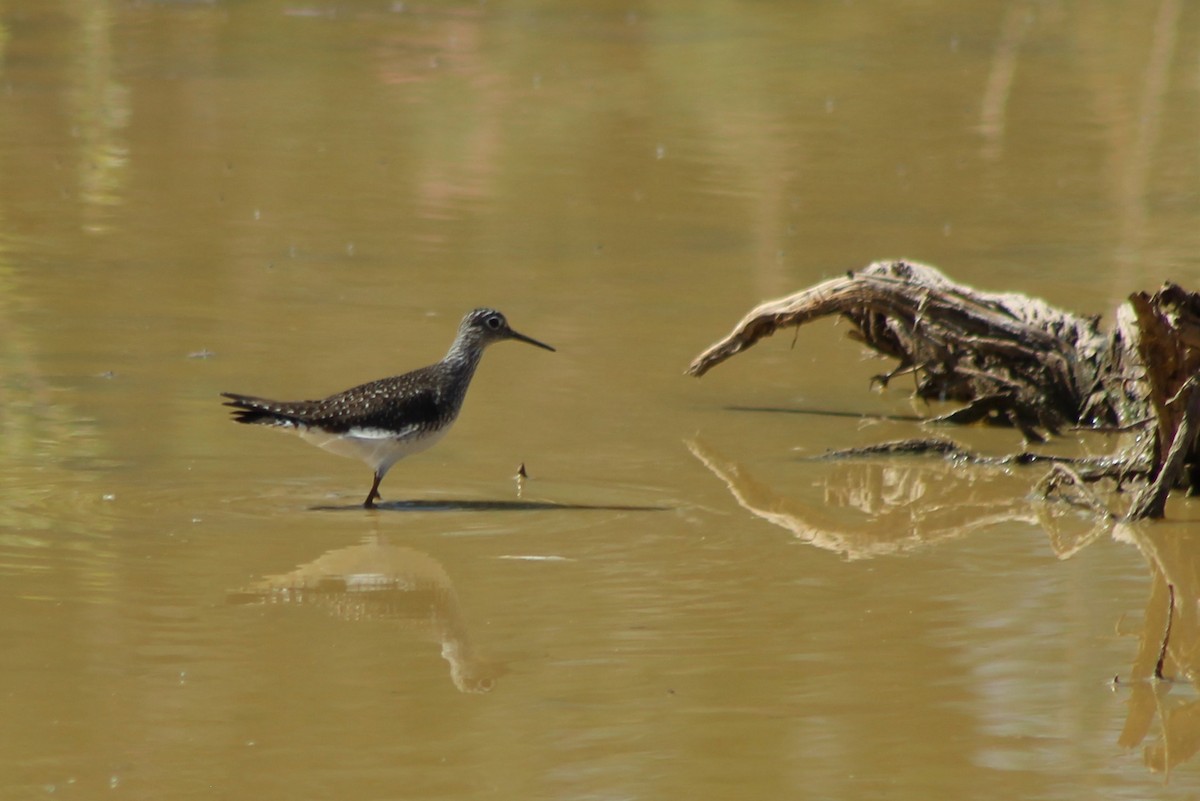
x,y
1012,360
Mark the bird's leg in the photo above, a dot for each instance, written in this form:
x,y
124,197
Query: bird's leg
x,y
369,503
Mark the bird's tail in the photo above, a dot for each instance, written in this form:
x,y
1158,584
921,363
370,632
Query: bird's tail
x,y
248,409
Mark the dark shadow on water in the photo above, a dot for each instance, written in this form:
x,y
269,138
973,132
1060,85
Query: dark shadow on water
x,y
463,505
905,418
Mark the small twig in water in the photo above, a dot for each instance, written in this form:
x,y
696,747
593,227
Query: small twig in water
x,y
1162,654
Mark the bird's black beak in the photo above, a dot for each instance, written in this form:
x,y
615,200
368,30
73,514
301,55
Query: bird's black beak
x,y
530,340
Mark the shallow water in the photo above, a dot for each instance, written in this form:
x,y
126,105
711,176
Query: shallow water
x,y
288,198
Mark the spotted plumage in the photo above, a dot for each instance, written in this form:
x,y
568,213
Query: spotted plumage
x,y
383,421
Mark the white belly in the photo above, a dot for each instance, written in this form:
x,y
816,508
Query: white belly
x,y
378,448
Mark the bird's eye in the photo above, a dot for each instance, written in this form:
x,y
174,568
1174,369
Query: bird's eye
x,y
493,322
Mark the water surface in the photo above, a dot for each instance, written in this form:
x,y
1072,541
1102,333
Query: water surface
x,y
288,198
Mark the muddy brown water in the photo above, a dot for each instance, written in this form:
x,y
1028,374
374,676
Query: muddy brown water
x,y
288,198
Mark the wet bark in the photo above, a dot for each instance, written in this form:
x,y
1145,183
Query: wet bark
x,y
1013,360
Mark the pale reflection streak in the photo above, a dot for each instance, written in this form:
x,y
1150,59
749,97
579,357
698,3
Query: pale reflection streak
x,y
459,155
1000,78
1134,131
903,507
1135,175
101,110
43,441
375,580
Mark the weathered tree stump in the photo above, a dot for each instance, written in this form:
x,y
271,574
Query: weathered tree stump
x,y
1016,361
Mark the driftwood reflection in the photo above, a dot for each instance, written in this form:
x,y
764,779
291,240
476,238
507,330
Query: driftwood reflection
x,y
1168,653
376,580
896,508
902,507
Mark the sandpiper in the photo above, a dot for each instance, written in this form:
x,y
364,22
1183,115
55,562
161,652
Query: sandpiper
x,y
383,421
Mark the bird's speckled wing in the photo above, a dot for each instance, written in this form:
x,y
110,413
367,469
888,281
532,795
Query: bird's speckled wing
x,y
398,403
401,403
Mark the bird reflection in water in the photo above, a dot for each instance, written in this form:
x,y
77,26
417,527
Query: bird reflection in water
x,y
375,580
